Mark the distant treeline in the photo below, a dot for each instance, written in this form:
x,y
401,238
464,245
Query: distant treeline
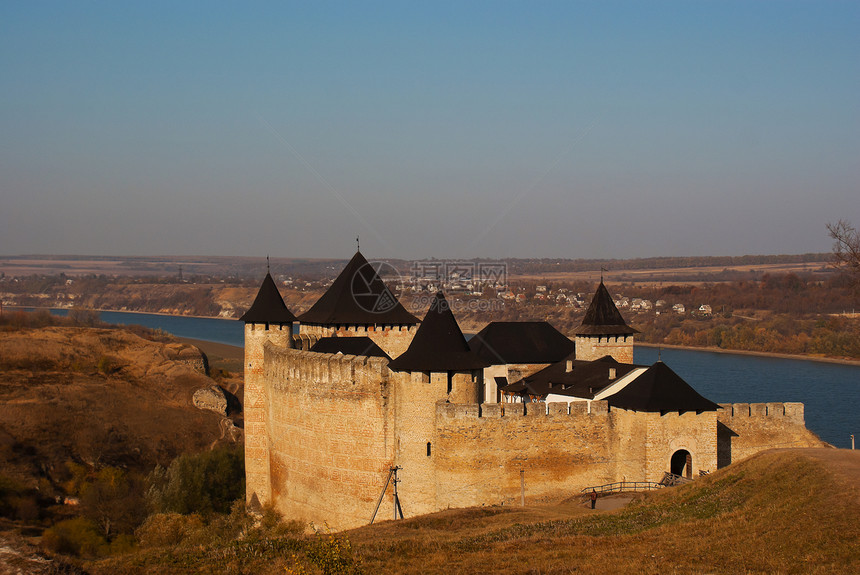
x,y
247,268
519,266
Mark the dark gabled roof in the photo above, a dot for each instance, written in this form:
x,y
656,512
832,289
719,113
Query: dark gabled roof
x,y
358,297
268,306
585,378
660,389
602,317
349,346
438,344
504,342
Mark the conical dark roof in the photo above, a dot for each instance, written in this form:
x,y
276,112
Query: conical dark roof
x,y
358,297
660,389
268,306
602,317
438,344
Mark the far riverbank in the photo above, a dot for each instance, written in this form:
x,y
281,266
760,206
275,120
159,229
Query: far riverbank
x,y
836,360
470,329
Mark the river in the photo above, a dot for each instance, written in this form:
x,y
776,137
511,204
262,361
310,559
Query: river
x,y
829,391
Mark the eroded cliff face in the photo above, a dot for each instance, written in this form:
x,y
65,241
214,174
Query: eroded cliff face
x,y
98,396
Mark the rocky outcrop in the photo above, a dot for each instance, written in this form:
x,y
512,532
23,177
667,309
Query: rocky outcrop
x,y
212,398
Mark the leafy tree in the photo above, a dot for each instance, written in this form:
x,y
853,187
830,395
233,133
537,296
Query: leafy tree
x,y
113,500
199,483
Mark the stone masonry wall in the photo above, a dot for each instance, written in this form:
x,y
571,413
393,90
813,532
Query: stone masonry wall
x,y
481,451
330,435
620,347
560,449
744,429
417,395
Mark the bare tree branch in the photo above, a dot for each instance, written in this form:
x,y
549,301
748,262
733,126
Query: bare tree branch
x,y
846,247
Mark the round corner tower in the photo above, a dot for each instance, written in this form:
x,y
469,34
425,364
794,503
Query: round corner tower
x,y
267,321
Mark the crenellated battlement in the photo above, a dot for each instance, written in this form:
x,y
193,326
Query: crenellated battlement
x,y
522,410
281,366
304,341
792,411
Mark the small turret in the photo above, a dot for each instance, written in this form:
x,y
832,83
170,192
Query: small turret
x,y
268,306
439,347
267,321
603,330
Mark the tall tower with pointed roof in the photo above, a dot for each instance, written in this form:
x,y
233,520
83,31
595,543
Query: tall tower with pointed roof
x,y
438,368
603,330
267,321
439,347
358,303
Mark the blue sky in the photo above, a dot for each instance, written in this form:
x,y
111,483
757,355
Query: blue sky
x,y
432,129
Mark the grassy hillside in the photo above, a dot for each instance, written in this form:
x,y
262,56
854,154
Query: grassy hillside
x,y
100,397
785,511
80,403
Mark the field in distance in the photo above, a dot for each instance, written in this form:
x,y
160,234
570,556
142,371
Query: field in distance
x,y
678,270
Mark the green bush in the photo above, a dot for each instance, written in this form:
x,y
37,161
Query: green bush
x,y
330,554
122,543
108,364
78,536
15,501
207,482
168,529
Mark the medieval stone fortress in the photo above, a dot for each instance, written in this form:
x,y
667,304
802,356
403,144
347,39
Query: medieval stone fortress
x,y
363,387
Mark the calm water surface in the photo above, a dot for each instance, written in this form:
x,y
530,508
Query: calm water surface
x,y
229,331
830,392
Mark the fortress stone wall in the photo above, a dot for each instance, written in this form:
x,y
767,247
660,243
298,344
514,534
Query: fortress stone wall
x,y
322,432
744,429
329,426
560,448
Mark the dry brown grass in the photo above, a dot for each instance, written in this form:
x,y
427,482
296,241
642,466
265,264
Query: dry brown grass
x,y
101,396
788,511
780,512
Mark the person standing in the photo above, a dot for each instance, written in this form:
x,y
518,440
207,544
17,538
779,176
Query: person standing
x,y
593,498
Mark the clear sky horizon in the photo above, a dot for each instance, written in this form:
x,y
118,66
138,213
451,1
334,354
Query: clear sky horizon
x,y
430,129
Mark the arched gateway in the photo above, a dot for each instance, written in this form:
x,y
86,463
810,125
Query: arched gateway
x,y
682,463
